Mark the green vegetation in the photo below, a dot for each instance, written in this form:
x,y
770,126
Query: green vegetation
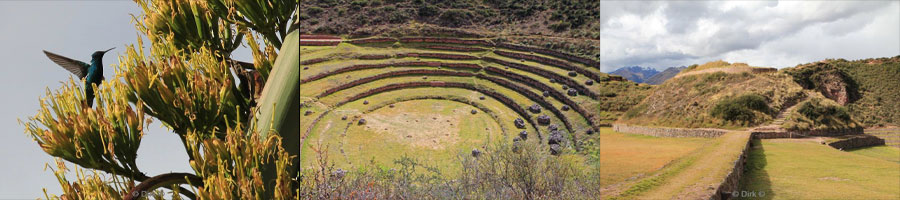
x,y
819,113
575,18
743,108
881,152
873,99
805,169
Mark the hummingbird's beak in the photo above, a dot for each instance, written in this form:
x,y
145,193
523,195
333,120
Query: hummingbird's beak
x,y
108,50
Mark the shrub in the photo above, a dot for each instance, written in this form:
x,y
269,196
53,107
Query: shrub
x,y
455,17
428,10
740,109
560,26
314,11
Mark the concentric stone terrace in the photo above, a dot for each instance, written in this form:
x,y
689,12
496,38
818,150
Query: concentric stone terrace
x,y
375,99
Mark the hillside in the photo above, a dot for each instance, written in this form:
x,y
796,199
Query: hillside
x,y
868,87
575,18
716,98
637,74
664,75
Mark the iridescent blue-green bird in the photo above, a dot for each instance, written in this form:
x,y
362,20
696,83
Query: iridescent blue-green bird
x,y
91,73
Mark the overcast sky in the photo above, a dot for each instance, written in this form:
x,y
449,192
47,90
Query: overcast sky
x,y
74,29
760,33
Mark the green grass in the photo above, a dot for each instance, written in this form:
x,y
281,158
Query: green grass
x,y
804,169
623,156
881,152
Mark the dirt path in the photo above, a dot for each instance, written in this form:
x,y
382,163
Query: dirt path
x,y
700,179
780,118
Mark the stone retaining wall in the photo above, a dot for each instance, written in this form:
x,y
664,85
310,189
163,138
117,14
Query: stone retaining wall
x,y
669,132
731,183
806,133
857,142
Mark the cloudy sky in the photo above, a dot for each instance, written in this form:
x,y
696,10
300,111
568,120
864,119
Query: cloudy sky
x,y
760,33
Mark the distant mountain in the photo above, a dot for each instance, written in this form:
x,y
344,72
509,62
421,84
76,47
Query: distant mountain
x,y
635,73
661,77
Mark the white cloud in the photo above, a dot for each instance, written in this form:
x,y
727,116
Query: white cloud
x,y
777,34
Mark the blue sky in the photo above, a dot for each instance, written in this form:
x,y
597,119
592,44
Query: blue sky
x,y
73,29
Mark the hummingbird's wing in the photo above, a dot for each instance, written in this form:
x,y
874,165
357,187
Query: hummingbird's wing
x,y
76,67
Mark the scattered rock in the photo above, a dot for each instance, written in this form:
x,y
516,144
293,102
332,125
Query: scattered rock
x,y
474,112
552,127
517,146
425,77
555,138
546,93
344,118
555,149
543,120
307,113
338,174
366,102
476,153
572,74
565,108
361,122
589,131
519,123
305,68
589,82
534,108
572,92
565,87
552,80
523,135
481,97
392,105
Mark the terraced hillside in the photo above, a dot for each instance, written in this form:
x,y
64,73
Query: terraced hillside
x,y
377,99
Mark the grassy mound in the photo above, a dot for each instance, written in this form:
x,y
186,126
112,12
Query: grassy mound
x,y
819,113
716,99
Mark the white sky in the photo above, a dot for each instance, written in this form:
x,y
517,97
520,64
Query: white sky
x,y
761,33
73,29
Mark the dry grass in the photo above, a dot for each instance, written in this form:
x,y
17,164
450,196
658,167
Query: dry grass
x,y
626,157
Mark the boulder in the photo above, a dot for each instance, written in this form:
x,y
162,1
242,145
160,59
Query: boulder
x,y
534,108
425,77
543,120
481,97
361,122
344,118
366,102
476,153
589,82
565,108
552,127
392,105
572,74
589,131
572,92
523,135
519,123
565,87
307,113
552,80
305,68
555,149
517,145
474,112
555,138
546,93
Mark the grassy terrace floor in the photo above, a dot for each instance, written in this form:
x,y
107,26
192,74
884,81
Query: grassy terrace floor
x,y
805,169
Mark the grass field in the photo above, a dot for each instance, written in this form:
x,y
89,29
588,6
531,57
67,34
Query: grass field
x,y
804,169
626,157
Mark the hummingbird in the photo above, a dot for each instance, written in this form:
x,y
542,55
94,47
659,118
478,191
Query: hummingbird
x,y
91,73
